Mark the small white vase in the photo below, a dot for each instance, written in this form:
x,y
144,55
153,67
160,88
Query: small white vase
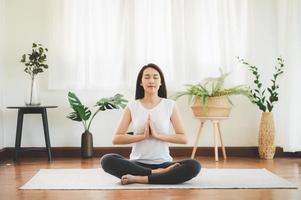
x,y
32,96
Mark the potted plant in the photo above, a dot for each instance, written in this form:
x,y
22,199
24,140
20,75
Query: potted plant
x,y
35,63
211,99
82,113
265,103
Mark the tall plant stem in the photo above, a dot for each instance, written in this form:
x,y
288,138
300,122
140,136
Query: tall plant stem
x,y
85,125
92,118
31,89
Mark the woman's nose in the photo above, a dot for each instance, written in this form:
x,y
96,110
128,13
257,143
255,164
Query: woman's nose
x,y
151,80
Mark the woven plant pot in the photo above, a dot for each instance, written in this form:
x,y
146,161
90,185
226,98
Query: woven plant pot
x,y
266,138
214,107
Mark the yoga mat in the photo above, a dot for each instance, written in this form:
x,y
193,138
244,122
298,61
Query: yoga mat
x,y
97,179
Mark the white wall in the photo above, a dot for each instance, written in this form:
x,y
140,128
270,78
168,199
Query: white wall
x,y
2,27
28,21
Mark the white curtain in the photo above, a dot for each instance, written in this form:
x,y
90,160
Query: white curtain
x,y
89,38
288,114
103,43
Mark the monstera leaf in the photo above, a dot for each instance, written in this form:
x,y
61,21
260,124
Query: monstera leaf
x,y
81,112
114,102
74,116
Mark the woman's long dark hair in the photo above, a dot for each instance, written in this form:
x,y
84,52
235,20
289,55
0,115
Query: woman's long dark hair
x,y
140,90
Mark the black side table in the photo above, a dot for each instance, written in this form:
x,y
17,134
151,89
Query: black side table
x,y
31,110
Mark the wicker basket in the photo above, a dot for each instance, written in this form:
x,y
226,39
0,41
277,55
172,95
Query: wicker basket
x,y
214,107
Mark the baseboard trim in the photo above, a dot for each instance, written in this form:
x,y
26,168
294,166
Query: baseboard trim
x,y
68,152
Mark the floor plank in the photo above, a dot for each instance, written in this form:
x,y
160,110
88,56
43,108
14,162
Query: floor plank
x,y
13,175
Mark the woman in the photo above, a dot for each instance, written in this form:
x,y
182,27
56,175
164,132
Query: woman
x,y
150,116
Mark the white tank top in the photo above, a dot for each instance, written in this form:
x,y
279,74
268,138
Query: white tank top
x,y
151,151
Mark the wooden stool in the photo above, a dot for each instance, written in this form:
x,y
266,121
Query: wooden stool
x,y
216,131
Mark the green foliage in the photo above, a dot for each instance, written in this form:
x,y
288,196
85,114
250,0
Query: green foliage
x,y
82,113
36,61
259,93
212,87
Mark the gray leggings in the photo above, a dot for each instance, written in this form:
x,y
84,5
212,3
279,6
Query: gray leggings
x,y
118,166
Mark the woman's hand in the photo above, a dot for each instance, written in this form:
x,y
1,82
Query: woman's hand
x,y
177,138
153,131
146,130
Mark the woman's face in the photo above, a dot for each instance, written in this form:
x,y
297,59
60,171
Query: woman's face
x,y
151,80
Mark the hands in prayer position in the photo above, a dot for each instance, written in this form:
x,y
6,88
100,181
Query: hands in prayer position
x,y
149,129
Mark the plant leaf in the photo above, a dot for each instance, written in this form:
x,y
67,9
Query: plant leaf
x,y
83,111
114,102
74,116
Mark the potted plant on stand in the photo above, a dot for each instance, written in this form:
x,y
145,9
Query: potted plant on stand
x,y
211,99
211,102
266,147
82,113
35,63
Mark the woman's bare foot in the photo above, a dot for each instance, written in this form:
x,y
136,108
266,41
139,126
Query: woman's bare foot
x,y
128,179
164,170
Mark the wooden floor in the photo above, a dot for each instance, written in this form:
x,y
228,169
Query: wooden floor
x,y
12,176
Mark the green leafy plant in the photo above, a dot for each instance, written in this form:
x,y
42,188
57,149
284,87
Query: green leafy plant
x,y
211,87
35,62
259,93
82,113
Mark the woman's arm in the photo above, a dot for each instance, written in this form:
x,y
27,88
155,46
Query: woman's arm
x,y
179,137
121,136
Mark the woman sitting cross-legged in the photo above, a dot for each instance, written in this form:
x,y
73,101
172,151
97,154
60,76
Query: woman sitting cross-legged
x,y
150,115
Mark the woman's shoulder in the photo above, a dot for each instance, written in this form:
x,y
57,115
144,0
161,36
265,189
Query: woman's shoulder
x,y
168,105
168,102
133,104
